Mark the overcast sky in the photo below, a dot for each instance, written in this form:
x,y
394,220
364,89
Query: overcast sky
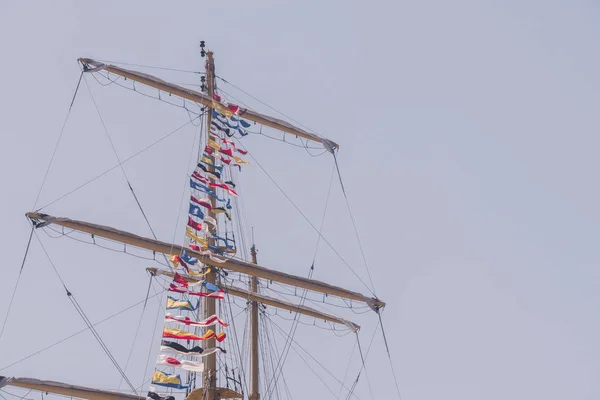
x,y
469,140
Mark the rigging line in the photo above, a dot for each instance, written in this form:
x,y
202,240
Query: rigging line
x,y
362,252
154,67
304,145
319,302
119,160
280,296
51,263
365,358
328,328
62,130
201,128
363,366
290,143
288,343
269,336
236,343
77,333
12,298
263,349
323,218
15,395
158,309
148,293
309,222
99,339
240,211
118,165
185,185
274,342
107,77
95,243
311,369
262,102
84,316
347,369
133,89
389,356
263,358
308,353
137,331
292,292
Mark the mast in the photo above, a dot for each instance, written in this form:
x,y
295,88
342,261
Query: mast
x,y
209,390
209,375
254,394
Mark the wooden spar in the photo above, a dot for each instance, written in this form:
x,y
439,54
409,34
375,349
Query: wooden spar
x,y
67,390
205,100
254,393
270,301
209,374
230,264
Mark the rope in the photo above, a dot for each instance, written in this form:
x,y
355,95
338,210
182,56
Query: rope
x,y
271,340
12,298
323,218
364,359
347,369
133,89
272,108
305,146
158,310
389,356
76,333
17,396
236,343
155,67
62,130
310,223
100,341
185,189
86,319
116,166
137,331
363,366
294,327
362,252
314,359
119,160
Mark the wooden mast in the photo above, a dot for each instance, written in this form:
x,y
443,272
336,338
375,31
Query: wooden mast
x,y
254,393
209,375
209,390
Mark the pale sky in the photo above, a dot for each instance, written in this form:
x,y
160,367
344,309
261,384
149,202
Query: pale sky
x,y
468,141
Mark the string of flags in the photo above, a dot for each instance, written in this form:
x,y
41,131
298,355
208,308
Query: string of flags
x,y
174,347
212,320
193,366
161,378
174,333
180,285
210,198
152,395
